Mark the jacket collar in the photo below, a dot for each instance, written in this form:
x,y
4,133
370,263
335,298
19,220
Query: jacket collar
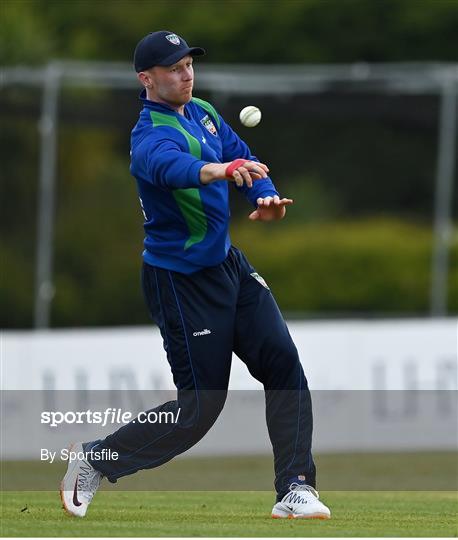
x,y
162,107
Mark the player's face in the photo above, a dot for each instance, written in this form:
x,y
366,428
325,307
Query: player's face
x,y
173,84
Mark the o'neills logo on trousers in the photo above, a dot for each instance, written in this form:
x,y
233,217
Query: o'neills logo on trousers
x,y
203,332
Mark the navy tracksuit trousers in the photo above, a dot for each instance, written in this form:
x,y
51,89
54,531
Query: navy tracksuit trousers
x,y
203,318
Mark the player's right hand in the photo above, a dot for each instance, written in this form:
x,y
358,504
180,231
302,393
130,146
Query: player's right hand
x,y
240,171
243,171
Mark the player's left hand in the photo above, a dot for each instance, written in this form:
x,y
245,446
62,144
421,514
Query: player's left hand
x,y
270,209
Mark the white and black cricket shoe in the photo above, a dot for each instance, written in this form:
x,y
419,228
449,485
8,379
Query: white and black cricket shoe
x,y
79,484
301,502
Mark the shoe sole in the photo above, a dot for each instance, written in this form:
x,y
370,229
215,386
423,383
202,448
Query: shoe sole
x,y
64,506
292,516
61,492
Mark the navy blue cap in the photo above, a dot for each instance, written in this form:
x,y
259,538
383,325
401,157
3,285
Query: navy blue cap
x,y
162,48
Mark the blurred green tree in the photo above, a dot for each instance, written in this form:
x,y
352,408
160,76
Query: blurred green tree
x,y
271,31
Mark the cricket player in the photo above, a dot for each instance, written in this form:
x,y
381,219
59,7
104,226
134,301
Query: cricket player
x,y
204,295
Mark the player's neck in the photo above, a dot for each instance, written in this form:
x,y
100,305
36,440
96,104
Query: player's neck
x,y
151,96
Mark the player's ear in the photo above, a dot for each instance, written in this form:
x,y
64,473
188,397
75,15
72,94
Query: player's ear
x,y
145,79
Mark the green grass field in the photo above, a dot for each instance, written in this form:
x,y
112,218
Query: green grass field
x,y
388,471
229,514
407,494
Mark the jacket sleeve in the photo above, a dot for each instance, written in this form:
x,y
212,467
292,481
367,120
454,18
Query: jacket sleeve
x,y
234,147
166,165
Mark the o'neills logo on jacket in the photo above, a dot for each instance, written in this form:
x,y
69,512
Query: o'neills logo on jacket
x,y
203,332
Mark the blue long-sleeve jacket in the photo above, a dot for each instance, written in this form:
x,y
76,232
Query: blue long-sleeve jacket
x,y
186,222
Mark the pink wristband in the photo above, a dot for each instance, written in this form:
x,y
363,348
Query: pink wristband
x,y
234,165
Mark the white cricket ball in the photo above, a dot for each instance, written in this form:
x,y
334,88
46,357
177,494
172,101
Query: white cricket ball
x,y
250,116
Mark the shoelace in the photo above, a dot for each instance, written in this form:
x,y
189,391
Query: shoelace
x,y
88,481
304,487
